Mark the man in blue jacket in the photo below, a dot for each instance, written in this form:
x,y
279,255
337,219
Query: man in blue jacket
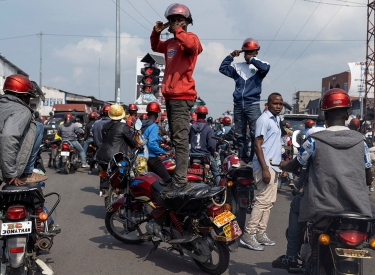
x,y
248,77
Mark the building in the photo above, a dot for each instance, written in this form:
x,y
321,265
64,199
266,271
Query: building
x,y
302,99
7,68
313,107
341,80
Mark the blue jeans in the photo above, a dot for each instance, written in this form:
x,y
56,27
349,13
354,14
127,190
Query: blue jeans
x,y
295,229
87,143
244,116
38,141
214,171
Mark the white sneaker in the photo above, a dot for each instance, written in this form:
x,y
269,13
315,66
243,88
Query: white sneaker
x,y
85,165
250,241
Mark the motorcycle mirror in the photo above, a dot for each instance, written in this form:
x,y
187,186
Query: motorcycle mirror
x,y
294,138
138,124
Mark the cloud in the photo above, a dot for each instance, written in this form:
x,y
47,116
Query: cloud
x,y
78,72
210,59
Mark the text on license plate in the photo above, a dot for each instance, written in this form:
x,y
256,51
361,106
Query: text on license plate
x,y
63,153
353,253
223,218
232,231
15,228
195,171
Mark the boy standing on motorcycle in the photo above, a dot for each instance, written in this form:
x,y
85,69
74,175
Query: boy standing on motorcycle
x,y
201,141
20,135
150,129
338,159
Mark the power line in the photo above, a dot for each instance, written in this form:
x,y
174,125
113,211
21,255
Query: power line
x,y
304,49
332,4
280,28
154,9
139,12
16,37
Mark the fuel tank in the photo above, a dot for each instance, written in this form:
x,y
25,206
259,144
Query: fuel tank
x,y
140,186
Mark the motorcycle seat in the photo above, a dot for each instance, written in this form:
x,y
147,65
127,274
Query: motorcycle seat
x,y
26,187
241,172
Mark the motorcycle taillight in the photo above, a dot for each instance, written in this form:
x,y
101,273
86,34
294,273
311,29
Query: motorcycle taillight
x,y
352,237
16,212
65,146
214,210
53,146
14,250
103,174
244,181
195,166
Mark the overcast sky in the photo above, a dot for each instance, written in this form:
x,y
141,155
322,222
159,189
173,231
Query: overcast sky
x,y
303,41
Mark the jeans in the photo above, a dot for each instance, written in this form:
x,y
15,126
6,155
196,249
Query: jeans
x,y
244,116
214,171
87,143
38,141
295,229
178,112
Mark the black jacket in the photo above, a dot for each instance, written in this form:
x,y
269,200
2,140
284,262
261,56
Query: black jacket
x,y
200,138
117,137
88,131
97,130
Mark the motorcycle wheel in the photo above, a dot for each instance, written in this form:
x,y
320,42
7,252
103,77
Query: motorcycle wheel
x,y
54,164
218,263
22,270
116,226
67,167
112,197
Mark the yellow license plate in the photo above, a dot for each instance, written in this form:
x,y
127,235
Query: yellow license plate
x,y
353,253
232,231
223,218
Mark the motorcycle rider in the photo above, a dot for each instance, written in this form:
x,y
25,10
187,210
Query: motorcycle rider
x,y
143,117
132,109
98,126
68,131
150,129
20,134
88,137
227,125
201,141
338,159
248,77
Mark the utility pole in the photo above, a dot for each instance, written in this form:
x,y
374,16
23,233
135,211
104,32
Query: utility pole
x,y
40,69
99,77
117,73
370,54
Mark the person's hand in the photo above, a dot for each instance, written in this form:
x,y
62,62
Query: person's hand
x,y
236,53
266,176
160,26
175,25
199,98
168,153
282,165
15,181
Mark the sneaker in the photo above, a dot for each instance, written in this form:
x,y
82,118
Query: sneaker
x,y
168,191
285,262
85,165
58,170
33,178
264,240
166,182
250,241
372,189
291,184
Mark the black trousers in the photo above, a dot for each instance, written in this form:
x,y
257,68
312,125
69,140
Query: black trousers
x,y
156,166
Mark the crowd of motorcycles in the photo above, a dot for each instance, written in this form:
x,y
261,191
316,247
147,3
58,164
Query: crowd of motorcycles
x,y
204,223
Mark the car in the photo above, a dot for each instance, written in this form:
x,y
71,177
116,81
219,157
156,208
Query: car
x,y
297,121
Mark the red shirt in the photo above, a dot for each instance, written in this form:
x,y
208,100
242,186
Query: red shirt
x,y
180,53
131,121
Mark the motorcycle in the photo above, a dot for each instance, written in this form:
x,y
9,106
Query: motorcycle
x,y
54,145
26,228
69,157
199,165
239,182
90,153
196,222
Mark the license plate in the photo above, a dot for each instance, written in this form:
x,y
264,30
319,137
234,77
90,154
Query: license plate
x,y
195,171
353,253
15,228
232,231
223,218
63,153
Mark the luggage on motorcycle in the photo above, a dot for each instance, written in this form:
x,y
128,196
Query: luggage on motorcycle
x,y
188,201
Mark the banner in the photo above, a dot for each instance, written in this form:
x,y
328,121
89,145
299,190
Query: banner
x,y
358,78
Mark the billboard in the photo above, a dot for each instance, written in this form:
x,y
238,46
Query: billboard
x,y
358,78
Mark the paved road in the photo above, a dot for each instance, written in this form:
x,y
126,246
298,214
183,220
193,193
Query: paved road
x,y
85,247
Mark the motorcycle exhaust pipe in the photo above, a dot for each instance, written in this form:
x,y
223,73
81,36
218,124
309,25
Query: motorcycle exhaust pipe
x,y
44,243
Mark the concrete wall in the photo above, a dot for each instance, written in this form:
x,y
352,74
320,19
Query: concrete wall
x,y
302,98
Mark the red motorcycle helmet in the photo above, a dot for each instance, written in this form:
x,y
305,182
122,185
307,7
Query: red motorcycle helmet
x,y
356,122
220,119
201,110
226,121
68,118
19,85
178,9
250,44
309,123
231,161
132,107
106,108
143,117
335,98
153,107
163,116
92,115
193,117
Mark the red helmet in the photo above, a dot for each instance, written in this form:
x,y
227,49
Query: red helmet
x,y
19,84
132,107
193,117
143,117
250,44
178,9
335,98
68,117
92,115
163,116
231,161
153,107
226,121
201,110
106,109
309,123
220,119
356,122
